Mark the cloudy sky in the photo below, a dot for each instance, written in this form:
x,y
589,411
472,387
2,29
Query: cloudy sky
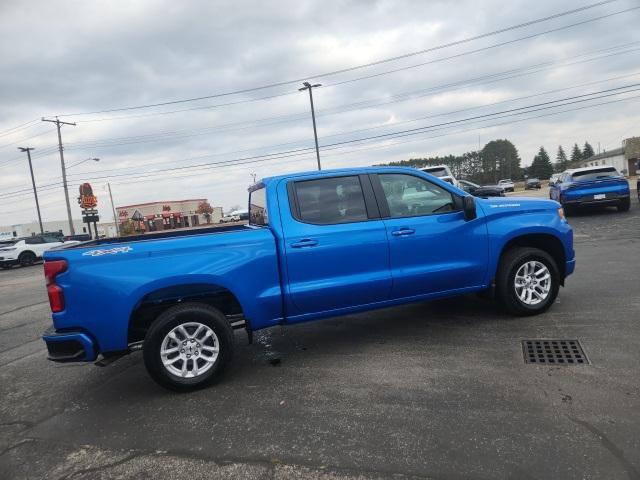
x,y
562,80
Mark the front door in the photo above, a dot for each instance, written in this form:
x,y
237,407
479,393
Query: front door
x,y
336,247
432,247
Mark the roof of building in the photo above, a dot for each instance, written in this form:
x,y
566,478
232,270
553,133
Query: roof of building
x,y
162,202
611,153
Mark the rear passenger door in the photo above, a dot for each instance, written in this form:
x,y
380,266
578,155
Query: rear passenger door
x,y
336,247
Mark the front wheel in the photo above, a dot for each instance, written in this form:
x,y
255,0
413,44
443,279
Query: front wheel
x,y
527,281
188,346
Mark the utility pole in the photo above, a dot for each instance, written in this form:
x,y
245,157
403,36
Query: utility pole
x,y
308,86
72,230
33,182
115,219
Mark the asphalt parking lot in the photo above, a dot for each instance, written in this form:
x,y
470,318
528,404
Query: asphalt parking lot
x,y
431,390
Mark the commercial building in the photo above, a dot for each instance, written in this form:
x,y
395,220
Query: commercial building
x,y
625,159
33,228
154,216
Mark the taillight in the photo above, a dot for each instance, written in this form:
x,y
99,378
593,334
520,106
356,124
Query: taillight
x,y
56,296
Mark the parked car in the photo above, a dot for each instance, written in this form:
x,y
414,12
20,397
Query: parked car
x,y
241,214
230,217
554,178
591,186
26,250
82,237
319,244
481,191
507,184
442,172
531,183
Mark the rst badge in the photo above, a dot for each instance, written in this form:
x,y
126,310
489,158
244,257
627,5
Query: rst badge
x,y
108,251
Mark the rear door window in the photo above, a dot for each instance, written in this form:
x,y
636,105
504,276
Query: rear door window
x,y
328,201
34,241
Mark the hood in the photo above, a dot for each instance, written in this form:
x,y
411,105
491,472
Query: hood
x,y
496,205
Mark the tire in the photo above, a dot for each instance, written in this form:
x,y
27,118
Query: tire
x,y
514,262
27,258
624,205
197,319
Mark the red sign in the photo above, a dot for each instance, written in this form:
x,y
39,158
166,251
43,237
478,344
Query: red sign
x,y
87,199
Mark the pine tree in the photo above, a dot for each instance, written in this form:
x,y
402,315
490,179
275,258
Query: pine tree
x,y
587,151
561,160
576,154
541,166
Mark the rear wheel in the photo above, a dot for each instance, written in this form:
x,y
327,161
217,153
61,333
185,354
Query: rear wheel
x,y
27,258
624,205
527,281
188,346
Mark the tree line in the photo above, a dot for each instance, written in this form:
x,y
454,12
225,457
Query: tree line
x,y
499,159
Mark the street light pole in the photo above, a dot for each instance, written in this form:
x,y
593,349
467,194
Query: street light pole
x,y
308,86
33,182
57,121
115,219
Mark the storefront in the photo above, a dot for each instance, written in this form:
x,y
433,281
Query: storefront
x,y
154,216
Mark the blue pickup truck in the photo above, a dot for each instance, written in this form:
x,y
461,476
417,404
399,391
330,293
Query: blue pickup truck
x,y
591,186
317,245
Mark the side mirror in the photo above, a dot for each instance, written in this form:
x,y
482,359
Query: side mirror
x,y
469,207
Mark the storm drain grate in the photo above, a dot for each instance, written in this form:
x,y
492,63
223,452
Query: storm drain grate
x,y
556,352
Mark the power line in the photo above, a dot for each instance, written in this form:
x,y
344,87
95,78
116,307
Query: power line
x,y
172,135
395,134
401,133
151,176
357,67
298,142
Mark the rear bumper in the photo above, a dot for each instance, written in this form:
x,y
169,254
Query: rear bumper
x,y
586,200
69,346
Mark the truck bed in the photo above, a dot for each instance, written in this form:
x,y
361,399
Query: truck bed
x,y
161,235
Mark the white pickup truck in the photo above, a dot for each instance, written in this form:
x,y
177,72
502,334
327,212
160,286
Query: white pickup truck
x,y
443,173
26,250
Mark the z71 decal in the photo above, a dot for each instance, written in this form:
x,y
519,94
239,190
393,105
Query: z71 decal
x,y
108,251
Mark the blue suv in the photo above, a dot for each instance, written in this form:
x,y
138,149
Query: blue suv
x,y
591,186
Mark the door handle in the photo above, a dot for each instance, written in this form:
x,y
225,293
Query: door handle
x,y
403,232
306,242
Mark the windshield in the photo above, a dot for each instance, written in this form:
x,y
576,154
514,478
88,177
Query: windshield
x,y
530,180
437,171
589,175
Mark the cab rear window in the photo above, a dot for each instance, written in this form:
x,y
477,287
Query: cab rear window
x,y
258,207
595,174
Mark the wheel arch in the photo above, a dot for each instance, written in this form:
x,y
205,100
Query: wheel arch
x,y
157,300
543,241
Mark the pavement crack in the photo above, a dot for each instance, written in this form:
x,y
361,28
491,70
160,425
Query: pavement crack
x,y
16,445
22,308
76,473
632,472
